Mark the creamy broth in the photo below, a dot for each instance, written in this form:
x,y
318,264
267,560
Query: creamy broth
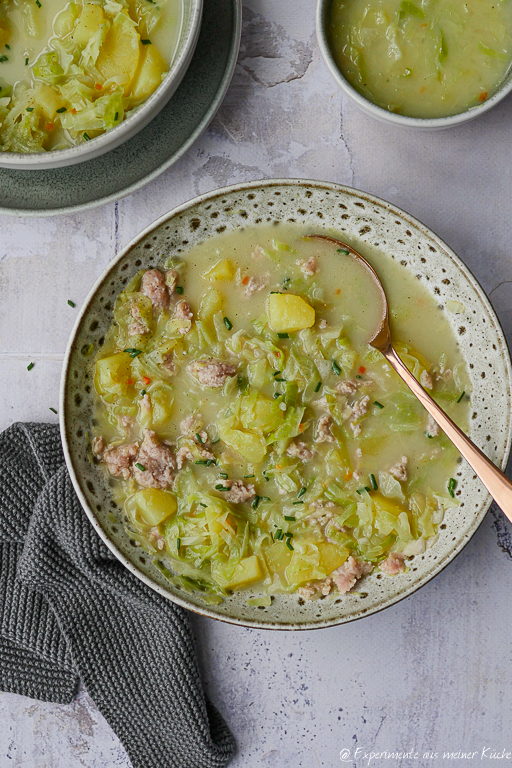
x,y
364,446
422,59
29,31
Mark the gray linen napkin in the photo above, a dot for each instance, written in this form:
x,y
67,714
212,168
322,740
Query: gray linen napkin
x,y
70,612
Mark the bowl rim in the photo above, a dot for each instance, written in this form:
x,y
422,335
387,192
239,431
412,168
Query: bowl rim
x,y
135,122
209,196
421,123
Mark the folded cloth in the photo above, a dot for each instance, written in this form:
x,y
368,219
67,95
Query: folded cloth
x,y
70,612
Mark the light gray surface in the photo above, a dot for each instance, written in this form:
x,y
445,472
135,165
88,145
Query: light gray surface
x,y
432,673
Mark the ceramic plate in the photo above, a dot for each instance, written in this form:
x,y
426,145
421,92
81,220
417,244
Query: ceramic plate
x,y
155,148
364,219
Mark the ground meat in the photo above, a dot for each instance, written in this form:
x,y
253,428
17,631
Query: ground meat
x,y
171,280
323,432
158,462
119,460
360,408
139,327
145,404
356,429
253,285
257,252
426,380
153,286
98,446
346,576
211,372
322,324
316,588
399,470
308,267
393,564
239,491
157,538
168,363
190,424
433,428
184,314
182,456
300,451
349,387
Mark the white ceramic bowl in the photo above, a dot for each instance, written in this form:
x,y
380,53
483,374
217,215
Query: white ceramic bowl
x,y
419,123
362,219
190,27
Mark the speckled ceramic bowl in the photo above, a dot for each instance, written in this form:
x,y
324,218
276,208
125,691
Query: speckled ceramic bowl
x,y
420,123
192,11
364,219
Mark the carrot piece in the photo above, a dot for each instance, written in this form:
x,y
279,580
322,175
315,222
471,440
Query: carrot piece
x,y
146,380
362,369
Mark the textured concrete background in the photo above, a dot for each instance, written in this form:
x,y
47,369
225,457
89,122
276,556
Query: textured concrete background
x,y
432,674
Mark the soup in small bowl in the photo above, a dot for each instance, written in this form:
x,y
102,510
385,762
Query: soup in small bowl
x,y
76,79
423,64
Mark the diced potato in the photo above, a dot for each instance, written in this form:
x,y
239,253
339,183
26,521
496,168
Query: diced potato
x,y
287,312
278,557
88,23
264,414
150,506
49,101
150,73
216,524
222,270
386,505
111,374
31,16
210,304
310,568
331,556
161,406
121,51
248,570
247,444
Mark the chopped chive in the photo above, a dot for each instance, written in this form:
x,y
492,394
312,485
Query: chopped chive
x,y
289,544
71,303
284,335
343,250
246,477
8,46
30,366
278,534
53,409
139,466
132,351
61,110
373,482
317,388
116,117
255,502
179,289
379,405
199,438
224,475
146,42
279,378
30,109
86,136
267,478
462,395
452,484
289,534
38,3
429,436
290,518
276,395
222,488
368,490
301,492
277,373
26,62
365,488
201,461
336,368
203,505
358,376
209,462
297,502
178,544
3,58
228,323
142,392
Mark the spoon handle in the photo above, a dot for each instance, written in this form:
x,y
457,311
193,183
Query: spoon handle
x,y
497,483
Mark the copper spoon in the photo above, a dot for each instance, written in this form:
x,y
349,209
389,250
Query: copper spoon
x,y
497,483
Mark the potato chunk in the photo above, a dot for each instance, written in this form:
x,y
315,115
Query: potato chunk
x,y
248,570
150,73
151,506
287,312
222,270
112,374
88,23
48,101
120,53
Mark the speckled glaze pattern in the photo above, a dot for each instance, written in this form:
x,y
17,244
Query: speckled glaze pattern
x,y
364,219
151,151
